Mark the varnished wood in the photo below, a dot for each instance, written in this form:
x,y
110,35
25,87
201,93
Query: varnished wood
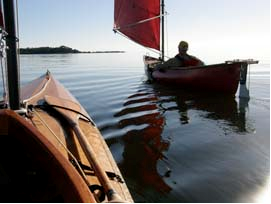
x,y
45,155
42,99
48,121
66,107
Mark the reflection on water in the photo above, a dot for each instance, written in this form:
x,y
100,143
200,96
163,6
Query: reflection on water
x,y
218,107
148,159
171,145
144,147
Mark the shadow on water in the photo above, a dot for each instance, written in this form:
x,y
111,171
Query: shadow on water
x,y
153,119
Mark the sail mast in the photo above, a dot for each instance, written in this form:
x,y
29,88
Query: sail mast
x,y
162,30
12,63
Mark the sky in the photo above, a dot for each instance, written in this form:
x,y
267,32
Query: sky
x,y
217,30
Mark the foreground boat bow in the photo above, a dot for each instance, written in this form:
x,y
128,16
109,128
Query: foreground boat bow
x,y
41,98
51,149
33,169
52,99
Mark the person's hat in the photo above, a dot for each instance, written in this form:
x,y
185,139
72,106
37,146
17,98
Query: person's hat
x,y
183,46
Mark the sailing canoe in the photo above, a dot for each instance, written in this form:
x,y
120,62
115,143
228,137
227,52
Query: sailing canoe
x,y
142,21
44,160
215,78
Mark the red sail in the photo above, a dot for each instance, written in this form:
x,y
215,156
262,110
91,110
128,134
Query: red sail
x,y
139,20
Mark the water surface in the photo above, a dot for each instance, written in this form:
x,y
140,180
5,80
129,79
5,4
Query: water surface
x,y
171,145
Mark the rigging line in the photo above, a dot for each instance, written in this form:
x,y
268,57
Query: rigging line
x,y
2,46
3,78
166,32
18,47
65,148
2,67
136,23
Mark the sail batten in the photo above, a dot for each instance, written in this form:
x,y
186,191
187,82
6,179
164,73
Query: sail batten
x,y
139,20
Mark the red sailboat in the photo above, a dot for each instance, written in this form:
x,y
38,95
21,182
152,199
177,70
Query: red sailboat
x,y
143,22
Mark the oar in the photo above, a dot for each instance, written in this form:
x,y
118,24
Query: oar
x,y
65,107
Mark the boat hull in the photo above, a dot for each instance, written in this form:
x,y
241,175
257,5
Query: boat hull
x,y
219,78
33,168
60,142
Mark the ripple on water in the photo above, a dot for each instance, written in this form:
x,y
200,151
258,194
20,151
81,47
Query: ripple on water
x,y
217,149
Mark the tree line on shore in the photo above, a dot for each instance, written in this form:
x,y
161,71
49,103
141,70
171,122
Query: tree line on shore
x,y
58,50
48,50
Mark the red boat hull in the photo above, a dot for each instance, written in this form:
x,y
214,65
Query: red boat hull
x,y
220,78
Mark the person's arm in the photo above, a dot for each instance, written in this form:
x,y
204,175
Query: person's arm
x,y
167,64
200,63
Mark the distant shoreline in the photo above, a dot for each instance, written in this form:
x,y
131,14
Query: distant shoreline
x,y
60,50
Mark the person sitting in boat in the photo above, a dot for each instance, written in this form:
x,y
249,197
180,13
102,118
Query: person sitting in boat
x,y
182,59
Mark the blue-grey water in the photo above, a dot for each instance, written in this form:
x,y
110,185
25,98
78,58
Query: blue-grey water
x,y
171,145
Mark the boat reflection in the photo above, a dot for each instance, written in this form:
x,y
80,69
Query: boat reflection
x,y
144,145
213,107
146,142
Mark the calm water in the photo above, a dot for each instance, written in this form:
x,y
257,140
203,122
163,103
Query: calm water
x,y
171,145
